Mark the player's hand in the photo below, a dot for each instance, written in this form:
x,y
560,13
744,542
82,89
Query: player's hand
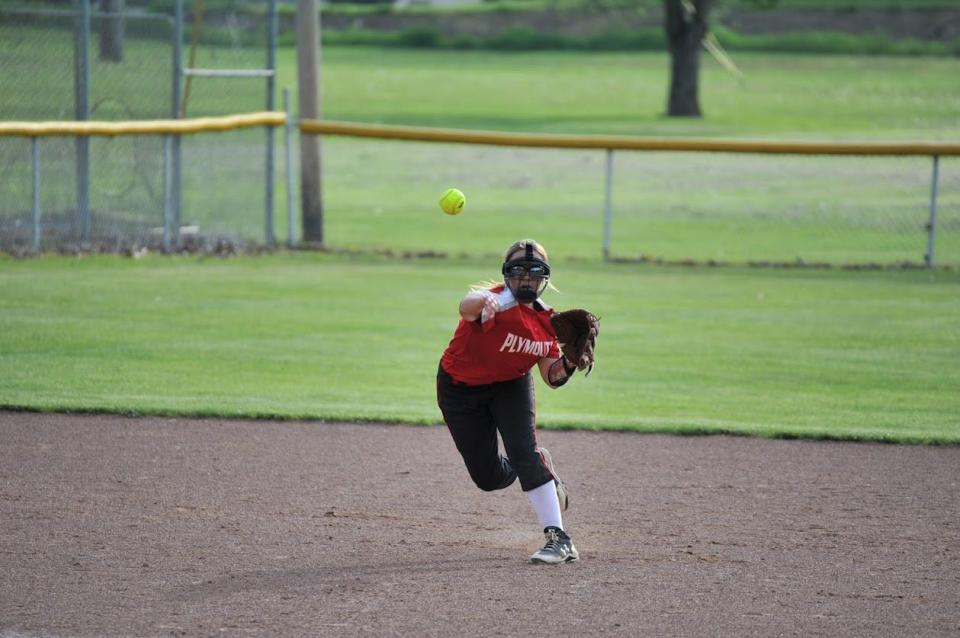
x,y
491,305
480,304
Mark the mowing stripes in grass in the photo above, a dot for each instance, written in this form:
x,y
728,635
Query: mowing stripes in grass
x,y
829,354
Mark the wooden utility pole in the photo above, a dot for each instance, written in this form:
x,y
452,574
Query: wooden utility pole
x,y
308,71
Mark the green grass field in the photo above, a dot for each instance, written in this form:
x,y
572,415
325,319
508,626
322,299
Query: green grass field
x,y
781,96
801,353
735,208
827,353
838,210
507,5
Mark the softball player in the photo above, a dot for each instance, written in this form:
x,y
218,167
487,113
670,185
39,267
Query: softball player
x,y
485,385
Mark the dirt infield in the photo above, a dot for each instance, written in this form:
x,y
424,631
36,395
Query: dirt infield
x,y
112,526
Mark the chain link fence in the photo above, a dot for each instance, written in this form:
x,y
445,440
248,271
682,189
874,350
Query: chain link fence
x,y
379,194
109,192
670,207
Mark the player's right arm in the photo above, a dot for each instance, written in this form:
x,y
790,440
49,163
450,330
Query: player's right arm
x,y
471,308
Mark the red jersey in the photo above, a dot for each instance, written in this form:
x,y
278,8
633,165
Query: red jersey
x,y
503,347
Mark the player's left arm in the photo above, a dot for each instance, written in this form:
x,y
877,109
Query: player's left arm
x,y
556,371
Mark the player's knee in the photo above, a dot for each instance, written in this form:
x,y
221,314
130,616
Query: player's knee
x,y
487,485
492,482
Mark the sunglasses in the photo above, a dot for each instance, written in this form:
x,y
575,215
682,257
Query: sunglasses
x,y
526,268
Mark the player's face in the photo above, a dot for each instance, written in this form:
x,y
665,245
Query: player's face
x,y
526,278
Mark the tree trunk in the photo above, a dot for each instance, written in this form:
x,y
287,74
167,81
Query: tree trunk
x,y
685,25
111,31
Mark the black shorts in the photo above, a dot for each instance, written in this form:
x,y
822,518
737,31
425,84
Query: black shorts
x,y
475,413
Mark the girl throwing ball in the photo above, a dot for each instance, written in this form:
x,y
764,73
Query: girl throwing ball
x,y
485,386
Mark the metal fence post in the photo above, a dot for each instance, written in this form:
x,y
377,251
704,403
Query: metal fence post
x,y
932,223
177,154
167,191
82,112
288,147
271,105
608,205
35,148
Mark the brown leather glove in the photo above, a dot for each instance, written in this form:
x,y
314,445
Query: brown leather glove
x,y
577,332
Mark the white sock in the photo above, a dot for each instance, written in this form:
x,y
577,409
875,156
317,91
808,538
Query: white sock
x,y
546,504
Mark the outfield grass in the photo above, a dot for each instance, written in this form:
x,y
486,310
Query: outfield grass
x,y
823,97
799,353
672,206
523,5
823,354
731,209
781,95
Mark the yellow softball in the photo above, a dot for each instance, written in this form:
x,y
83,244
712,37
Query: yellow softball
x,y
452,201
